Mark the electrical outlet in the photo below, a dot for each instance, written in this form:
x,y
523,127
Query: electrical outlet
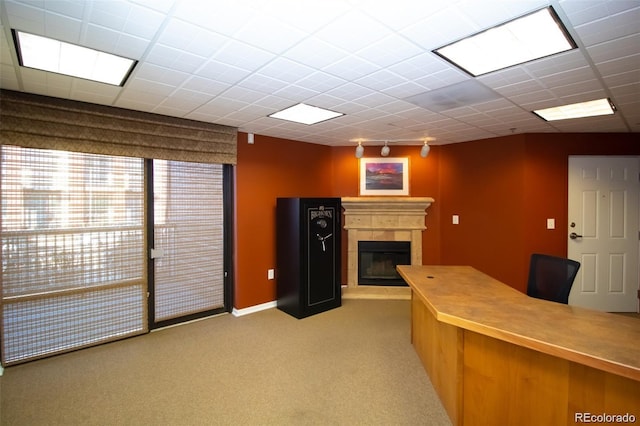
x,y
271,274
455,219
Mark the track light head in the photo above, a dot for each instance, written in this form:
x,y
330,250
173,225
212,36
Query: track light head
x,y
385,150
424,151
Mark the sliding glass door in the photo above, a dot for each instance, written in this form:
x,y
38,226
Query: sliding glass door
x,y
188,240
97,248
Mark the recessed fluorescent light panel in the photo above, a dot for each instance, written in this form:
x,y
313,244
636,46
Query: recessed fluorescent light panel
x,y
76,61
524,39
306,114
579,110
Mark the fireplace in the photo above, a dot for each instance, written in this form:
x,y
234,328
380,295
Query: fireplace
x,y
377,261
383,219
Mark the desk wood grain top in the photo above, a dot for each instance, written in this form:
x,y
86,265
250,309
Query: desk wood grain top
x,y
467,298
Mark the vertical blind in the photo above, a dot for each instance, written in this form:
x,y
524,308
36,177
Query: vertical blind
x,y
188,238
73,265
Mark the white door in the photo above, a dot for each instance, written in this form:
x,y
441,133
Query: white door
x,y
604,194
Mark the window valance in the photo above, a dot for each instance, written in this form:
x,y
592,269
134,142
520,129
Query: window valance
x,y
35,121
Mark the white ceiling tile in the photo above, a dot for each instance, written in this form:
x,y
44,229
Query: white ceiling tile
x,y
112,15
274,103
380,80
352,32
100,97
610,27
107,40
519,88
143,22
562,91
153,89
320,81
419,66
191,38
556,64
222,72
437,29
69,8
150,72
174,59
223,17
584,12
615,49
348,92
163,6
314,53
404,13
306,16
63,28
25,17
388,51
568,77
286,70
614,66
269,34
350,67
441,79
296,93
243,56
211,87
622,79
241,94
186,100
403,90
262,83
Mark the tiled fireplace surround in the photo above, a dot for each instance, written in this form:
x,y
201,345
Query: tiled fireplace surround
x,y
383,219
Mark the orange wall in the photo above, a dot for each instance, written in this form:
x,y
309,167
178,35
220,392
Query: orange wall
x,y
266,170
483,184
503,190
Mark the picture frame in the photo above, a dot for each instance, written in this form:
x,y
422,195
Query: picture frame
x,y
384,176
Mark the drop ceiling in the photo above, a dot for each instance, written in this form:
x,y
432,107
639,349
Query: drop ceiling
x,y
236,62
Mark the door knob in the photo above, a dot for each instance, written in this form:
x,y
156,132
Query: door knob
x,y
573,236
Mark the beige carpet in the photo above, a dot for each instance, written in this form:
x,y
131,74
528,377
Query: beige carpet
x,y
352,365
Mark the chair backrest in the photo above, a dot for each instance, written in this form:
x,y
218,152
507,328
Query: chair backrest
x,y
551,277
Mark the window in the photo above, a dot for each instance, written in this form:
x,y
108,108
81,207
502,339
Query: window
x,y
73,258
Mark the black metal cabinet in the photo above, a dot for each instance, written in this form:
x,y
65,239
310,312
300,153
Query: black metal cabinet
x,y
308,255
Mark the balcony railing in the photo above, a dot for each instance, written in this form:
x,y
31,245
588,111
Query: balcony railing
x,y
43,261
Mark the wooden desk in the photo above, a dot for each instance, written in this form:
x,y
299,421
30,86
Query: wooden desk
x,y
498,357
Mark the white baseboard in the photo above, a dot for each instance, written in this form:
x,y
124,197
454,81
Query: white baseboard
x,y
1,370
254,309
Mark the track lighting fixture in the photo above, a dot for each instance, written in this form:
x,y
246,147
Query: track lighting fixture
x,y
424,150
385,150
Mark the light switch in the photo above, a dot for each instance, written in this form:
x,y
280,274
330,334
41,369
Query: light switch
x,y
455,219
551,223
271,274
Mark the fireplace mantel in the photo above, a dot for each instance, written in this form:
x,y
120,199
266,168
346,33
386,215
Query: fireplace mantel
x,y
383,219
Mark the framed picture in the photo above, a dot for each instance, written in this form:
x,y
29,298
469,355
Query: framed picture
x,y
384,176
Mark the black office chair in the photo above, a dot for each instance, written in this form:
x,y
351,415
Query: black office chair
x,y
551,277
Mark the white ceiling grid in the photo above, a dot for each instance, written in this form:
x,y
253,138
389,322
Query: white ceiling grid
x,y
236,62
